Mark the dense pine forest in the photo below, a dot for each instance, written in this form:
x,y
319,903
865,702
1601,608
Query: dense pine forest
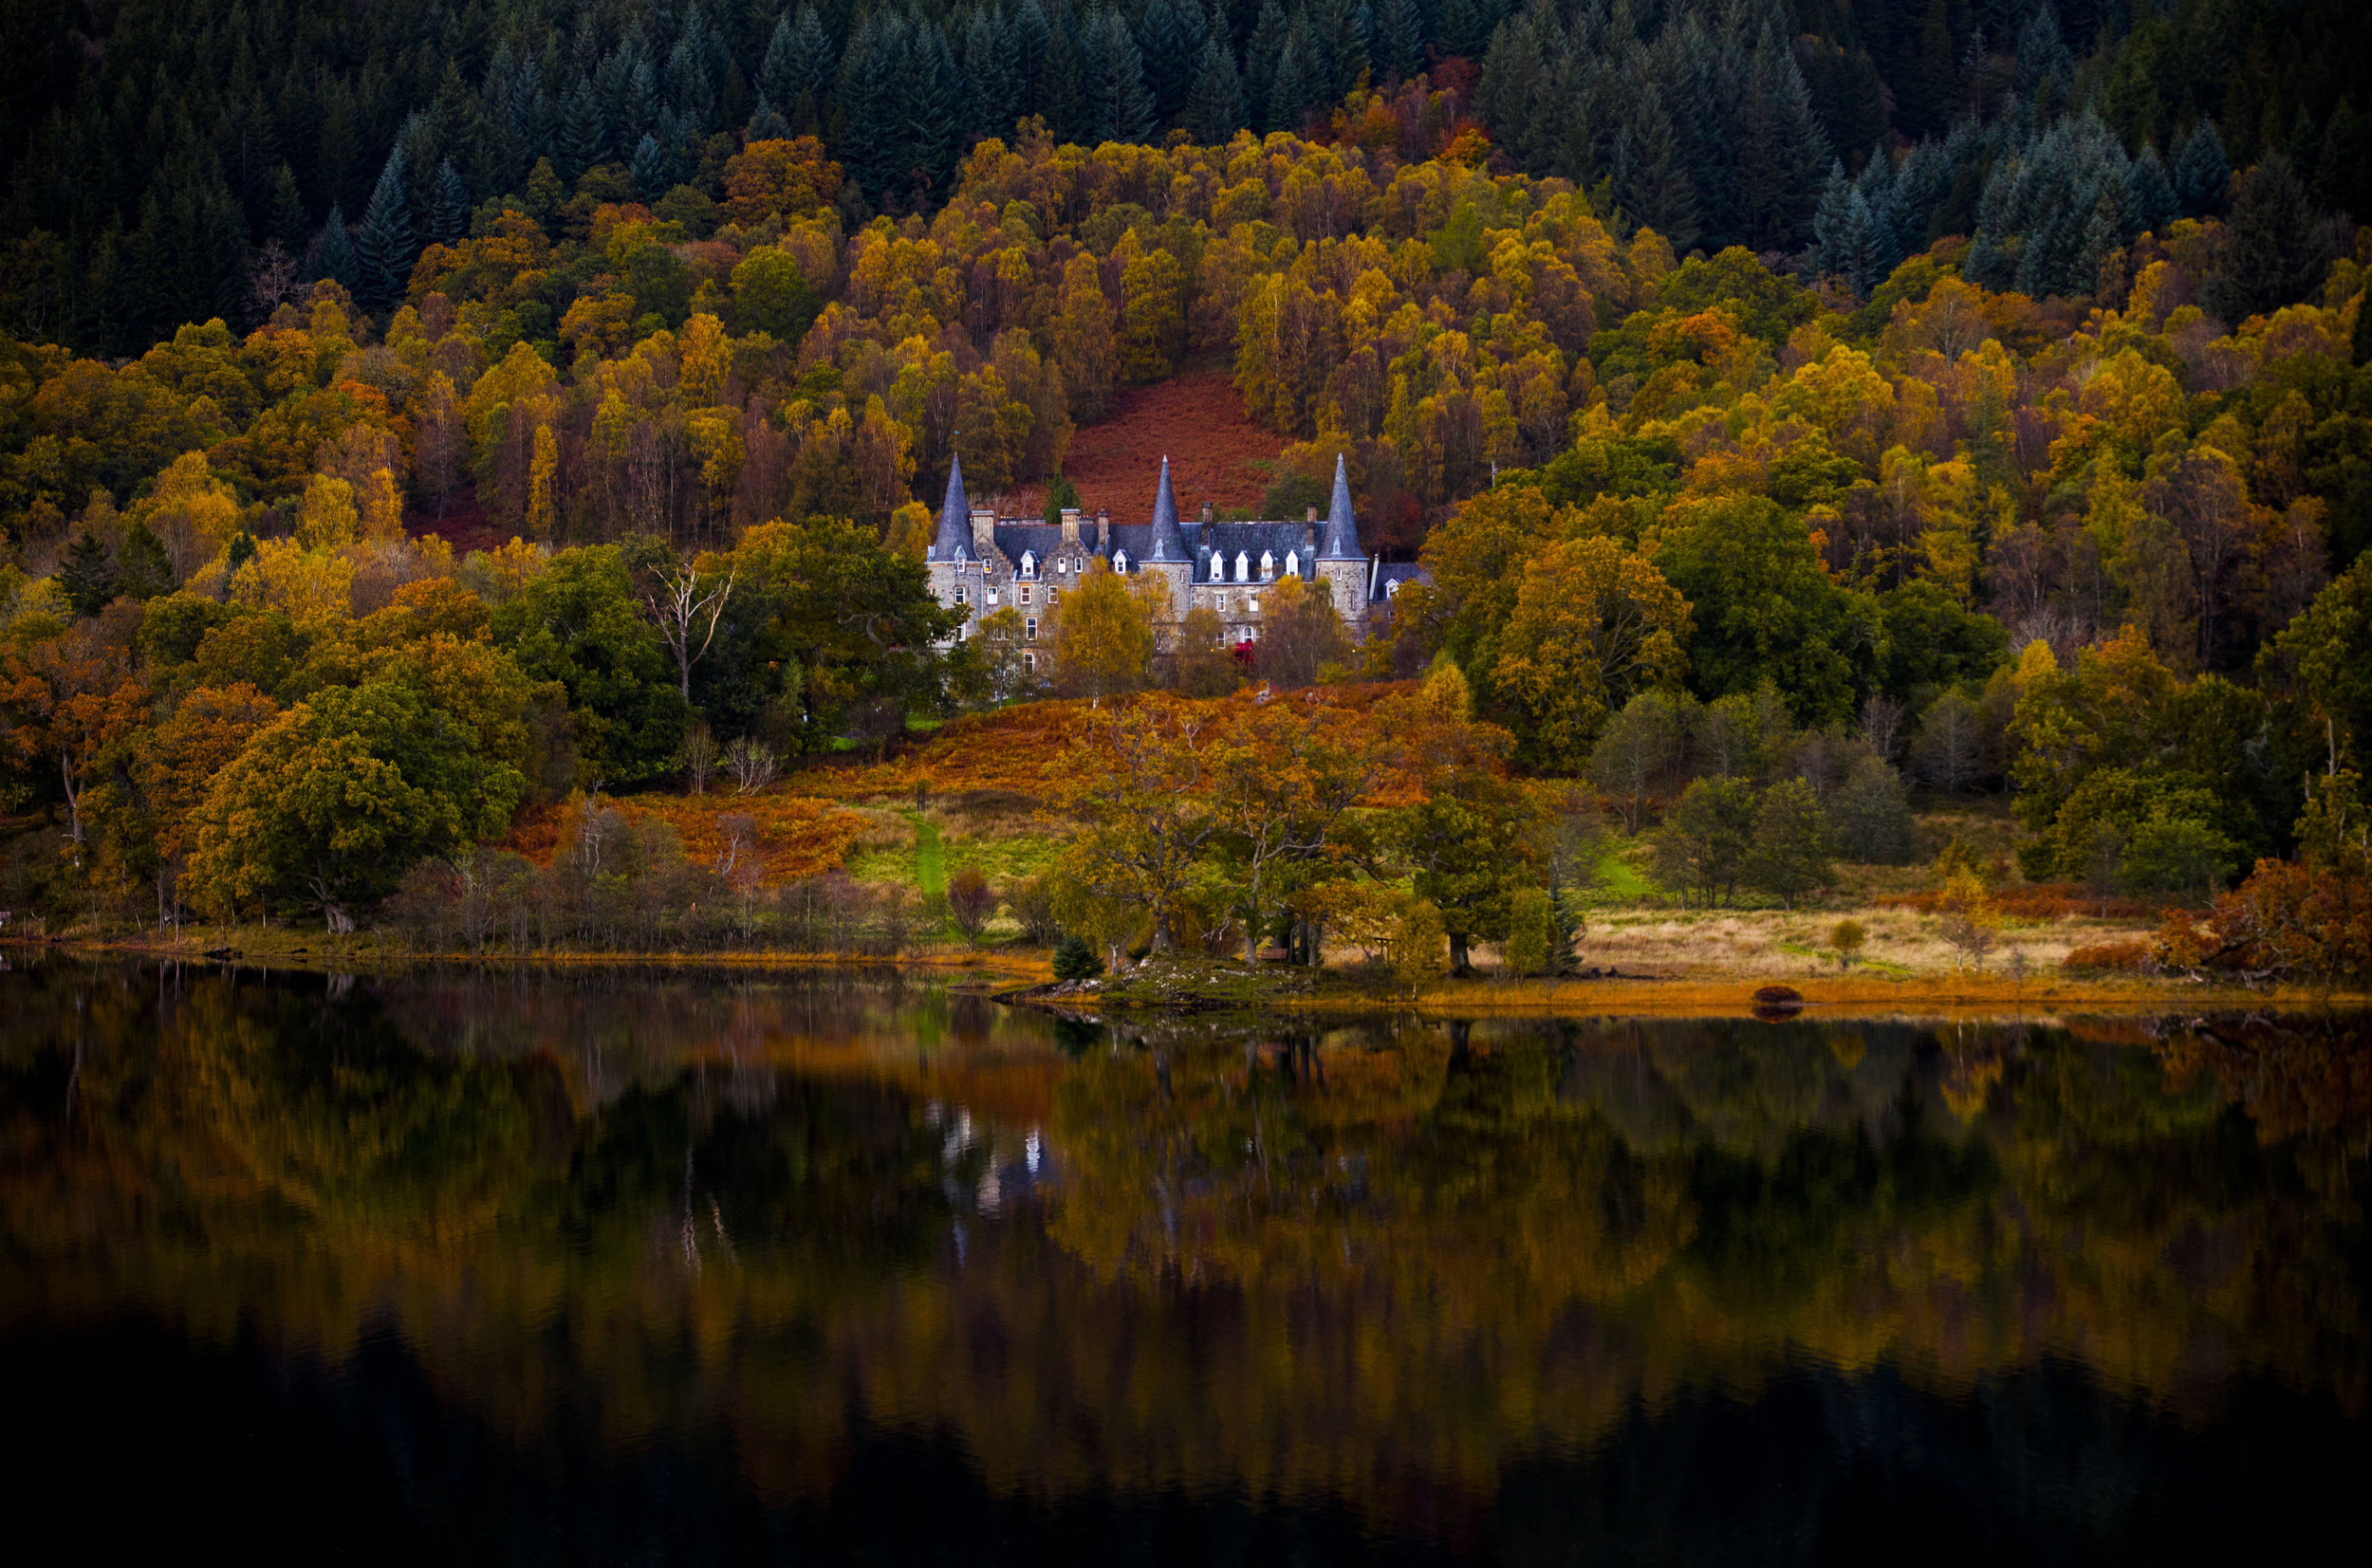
x,y
1799,412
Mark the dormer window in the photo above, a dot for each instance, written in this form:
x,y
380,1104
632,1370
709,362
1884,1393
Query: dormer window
x,y
1268,565
1120,561
1028,563
1292,563
1243,566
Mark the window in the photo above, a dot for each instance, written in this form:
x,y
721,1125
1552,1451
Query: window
x,y
991,599
960,593
1292,563
1392,589
1024,593
1252,601
1029,661
1028,563
1268,565
1061,565
1218,568
1243,565
1252,632
1218,603
1029,629
1120,561
1053,594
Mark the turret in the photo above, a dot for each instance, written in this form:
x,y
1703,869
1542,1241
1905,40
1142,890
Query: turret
x,y
955,536
953,563
1341,564
1166,555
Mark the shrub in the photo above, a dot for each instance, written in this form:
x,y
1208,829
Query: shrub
x,y
1075,960
1847,937
2134,957
1531,931
970,900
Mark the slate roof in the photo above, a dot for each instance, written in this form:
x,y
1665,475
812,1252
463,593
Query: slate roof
x,y
1342,540
955,537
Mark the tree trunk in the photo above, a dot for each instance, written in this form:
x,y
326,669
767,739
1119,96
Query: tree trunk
x,y
1460,962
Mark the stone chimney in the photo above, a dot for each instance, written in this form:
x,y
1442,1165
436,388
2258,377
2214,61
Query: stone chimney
x,y
1070,525
1206,514
1103,531
1313,514
983,529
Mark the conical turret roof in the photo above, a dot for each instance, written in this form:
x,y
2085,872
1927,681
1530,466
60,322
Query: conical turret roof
x,y
1341,539
1169,541
955,536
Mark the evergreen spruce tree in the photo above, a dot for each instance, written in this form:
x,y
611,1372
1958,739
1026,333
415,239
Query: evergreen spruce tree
x,y
778,78
2150,201
812,61
1169,40
1214,109
1334,50
2103,231
147,569
766,123
1878,188
2042,51
1989,260
1119,105
1833,245
448,209
991,98
242,551
87,576
333,256
648,166
384,244
581,134
1290,87
1063,81
1400,39
1261,53
1027,36
2201,172
2274,251
285,220
1651,180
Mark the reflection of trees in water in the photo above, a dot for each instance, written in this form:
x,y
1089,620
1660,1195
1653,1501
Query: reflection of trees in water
x,y
1336,1263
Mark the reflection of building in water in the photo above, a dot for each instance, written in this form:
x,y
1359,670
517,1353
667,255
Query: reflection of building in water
x,y
981,563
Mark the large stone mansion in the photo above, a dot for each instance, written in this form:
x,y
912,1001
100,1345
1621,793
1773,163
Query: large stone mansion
x,y
984,562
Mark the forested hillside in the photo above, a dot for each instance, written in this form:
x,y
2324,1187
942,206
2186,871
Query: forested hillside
x,y
1784,425
164,164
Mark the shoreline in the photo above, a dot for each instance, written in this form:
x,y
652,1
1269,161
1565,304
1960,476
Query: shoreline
x,y
1025,980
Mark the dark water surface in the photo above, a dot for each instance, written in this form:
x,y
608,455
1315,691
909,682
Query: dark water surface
x,y
564,1268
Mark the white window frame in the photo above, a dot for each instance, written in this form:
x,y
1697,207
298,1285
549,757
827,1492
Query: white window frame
x,y
1268,565
1030,630
1292,563
1025,597
1120,563
1028,563
1252,604
1243,566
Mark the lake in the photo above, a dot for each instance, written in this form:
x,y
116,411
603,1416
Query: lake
x,y
621,1266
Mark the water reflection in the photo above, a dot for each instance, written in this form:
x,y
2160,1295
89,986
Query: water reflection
x,y
557,1265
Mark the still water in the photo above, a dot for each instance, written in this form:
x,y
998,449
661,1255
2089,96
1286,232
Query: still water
x,y
562,1267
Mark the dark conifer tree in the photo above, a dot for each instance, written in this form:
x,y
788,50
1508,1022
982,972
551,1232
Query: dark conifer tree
x,y
1262,51
1169,40
1119,105
1214,109
1399,44
2274,250
286,221
333,253
1289,93
1334,50
87,576
1063,81
147,570
648,166
582,136
449,206
384,244
766,123
2150,202
2201,172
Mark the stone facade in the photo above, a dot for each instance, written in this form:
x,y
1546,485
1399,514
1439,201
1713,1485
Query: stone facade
x,y
985,563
